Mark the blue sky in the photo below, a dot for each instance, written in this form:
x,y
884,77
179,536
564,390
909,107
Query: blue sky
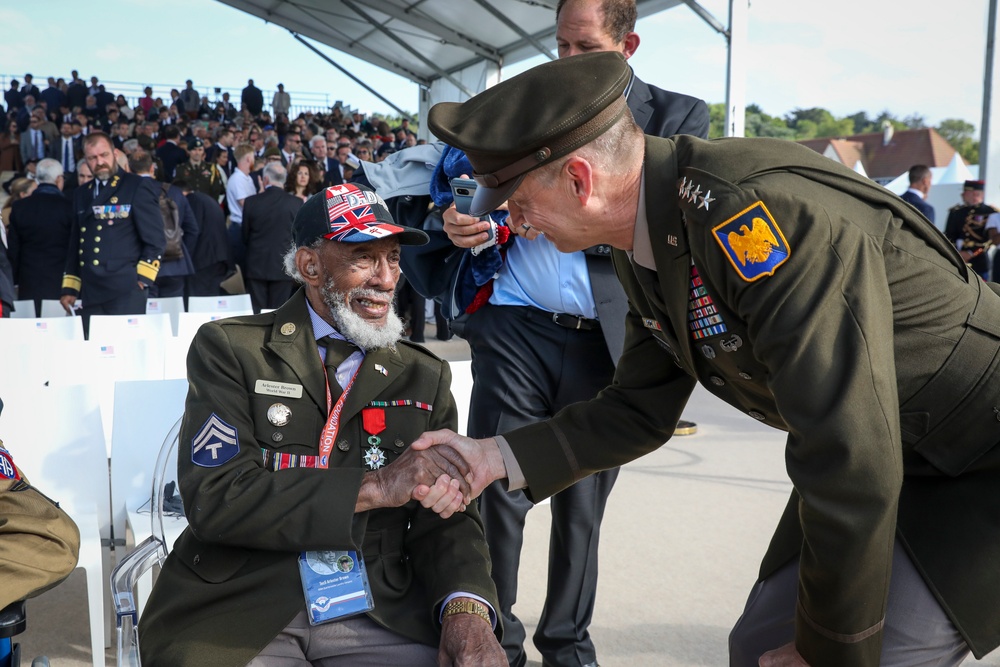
x,y
848,56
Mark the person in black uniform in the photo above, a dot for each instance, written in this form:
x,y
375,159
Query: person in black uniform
x,y
966,228
117,241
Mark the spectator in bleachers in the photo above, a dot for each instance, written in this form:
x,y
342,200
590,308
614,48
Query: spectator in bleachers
x,y
317,149
28,105
94,86
52,96
224,143
212,254
29,88
252,98
103,97
83,173
267,234
122,132
127,112
34,143
76,94
292,149
38,236
170,153
364,151
10,149
303,180
201,176
176,266
12,96
146,103
20,188
240,187
190,99
282,101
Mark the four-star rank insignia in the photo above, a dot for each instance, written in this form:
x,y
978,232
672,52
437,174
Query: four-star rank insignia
x,y
753,242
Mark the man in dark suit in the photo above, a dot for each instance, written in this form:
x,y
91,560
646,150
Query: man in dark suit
x,y
333,173
29,88
170,153
267,233
827,308
117,239
569,334
68,148
38,236
289,461
53,97
253,98
920,185
212,257
176,264
12,97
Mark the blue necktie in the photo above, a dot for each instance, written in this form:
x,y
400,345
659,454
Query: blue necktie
x,y
67,161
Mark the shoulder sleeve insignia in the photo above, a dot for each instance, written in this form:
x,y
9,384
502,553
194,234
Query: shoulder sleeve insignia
x,y
7,468
753,242
214,444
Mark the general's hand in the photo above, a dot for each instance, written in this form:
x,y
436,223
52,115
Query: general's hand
x,y
464,230
67,301
482,456
393,485
468,640
445,497
786,656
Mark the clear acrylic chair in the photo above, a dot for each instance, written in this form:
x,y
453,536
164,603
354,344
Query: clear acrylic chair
x,y
152,551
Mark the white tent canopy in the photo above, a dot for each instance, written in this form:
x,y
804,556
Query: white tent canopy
x,y
452,49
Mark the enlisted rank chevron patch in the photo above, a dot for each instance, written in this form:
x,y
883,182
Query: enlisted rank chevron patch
x,y
214,444
753,243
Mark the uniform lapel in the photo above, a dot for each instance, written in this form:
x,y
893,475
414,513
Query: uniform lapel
x,y
379,369
293,341
668,237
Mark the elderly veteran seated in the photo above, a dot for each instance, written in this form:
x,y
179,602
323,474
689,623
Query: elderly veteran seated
x,y
306,545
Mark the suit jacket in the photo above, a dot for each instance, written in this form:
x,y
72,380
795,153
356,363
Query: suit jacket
x,y
919,203
332,174
213,241
267,232
28,150
171,155
38,238
829,309
231,582
55,150
117,239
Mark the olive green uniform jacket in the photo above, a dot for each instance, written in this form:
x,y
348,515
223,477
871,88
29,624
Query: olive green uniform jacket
x,y
231,583
834,312
39,543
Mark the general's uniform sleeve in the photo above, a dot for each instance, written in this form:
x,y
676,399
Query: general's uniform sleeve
x,y
628,419
149,226
822,324
450,555
240,502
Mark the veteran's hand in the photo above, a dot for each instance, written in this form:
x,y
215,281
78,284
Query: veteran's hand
x,y
482,457
468,640
786,656
394,484
465,231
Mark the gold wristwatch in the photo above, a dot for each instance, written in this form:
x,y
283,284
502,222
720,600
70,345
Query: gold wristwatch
x,y
467,607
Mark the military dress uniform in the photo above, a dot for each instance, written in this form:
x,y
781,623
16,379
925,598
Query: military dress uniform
x,y
202,177
231,583
116,244
968,225
812,300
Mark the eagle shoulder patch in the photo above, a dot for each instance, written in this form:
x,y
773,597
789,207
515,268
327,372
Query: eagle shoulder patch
x,y
753,242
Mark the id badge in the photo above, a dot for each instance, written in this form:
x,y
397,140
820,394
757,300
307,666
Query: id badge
x,y
335,584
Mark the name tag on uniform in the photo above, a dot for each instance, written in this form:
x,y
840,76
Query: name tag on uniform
x,y
271,388
335,584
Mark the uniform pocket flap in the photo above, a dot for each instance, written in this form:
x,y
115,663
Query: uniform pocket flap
x,y
914,425
214,563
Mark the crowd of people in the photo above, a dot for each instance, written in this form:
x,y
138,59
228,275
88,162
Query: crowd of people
x,y
194,144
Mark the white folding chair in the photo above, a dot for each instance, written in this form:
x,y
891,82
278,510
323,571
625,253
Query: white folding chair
x,y
461,389
23,309
172,306
53,308
231,303
109,329
40,329
151,552
55,435
189,322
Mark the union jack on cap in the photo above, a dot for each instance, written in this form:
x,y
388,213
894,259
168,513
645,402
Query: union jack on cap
x,y
349,213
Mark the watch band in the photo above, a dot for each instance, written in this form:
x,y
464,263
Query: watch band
x,y
467,607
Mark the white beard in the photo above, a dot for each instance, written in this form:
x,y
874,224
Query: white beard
x,y
355,328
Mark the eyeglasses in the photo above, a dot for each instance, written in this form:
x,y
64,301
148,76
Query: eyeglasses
x,y
364,152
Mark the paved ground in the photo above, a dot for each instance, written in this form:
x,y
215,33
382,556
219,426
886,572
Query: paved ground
x,y
684,531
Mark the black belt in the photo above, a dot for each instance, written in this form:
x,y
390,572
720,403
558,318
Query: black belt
x,y
573,322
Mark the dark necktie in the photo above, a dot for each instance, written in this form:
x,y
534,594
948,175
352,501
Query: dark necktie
x,y
337,350
98,185
67,160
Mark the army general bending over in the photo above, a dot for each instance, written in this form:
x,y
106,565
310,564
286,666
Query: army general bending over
x,y
297,479
803,295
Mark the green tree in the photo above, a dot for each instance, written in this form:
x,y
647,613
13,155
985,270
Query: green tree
x,y
960,135
716,120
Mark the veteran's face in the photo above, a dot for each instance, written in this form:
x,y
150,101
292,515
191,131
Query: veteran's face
x,y
364,275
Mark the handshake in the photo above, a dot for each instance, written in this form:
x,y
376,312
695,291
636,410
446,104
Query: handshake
x,y
442,470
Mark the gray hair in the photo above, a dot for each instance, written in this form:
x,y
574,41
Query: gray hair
x,y
289,258
275,173
315,140
131,145
48,171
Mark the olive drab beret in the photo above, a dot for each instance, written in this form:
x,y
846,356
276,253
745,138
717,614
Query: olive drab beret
x,y
532,119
